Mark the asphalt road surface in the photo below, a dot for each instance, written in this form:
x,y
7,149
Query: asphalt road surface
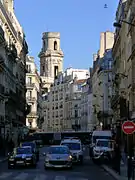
x,y
88,171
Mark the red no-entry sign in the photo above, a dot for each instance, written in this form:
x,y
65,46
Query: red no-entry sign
x,y
128,127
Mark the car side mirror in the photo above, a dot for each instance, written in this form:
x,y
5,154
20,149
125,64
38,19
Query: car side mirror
x,y
44,154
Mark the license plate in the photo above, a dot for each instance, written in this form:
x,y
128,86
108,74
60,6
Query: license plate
x,y
58,166
20,162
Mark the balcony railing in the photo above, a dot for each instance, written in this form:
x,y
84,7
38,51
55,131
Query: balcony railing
x,y
31,98
115,99
2,38
30,85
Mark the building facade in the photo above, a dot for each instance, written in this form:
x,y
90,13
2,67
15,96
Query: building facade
x,y
62,103
122,68
33,95
51,59
102,81
13,50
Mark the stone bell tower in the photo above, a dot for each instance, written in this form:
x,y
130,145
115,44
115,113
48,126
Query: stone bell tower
x,y
51,59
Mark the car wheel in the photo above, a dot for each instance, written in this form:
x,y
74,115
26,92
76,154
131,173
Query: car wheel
x,y
71,167
9,167
34,164
46,168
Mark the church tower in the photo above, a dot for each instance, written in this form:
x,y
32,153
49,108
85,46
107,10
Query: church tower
x,y
51,59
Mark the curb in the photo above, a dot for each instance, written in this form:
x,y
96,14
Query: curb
x,y
3,160
112,173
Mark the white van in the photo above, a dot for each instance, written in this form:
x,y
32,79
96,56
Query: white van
x,y
99,135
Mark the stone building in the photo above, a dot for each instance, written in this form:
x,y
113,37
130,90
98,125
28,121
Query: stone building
x,y
62,103
51,59
13,50
33,95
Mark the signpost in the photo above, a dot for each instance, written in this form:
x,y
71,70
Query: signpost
x,y
128,127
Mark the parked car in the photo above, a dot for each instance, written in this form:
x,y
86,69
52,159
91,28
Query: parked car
x,y
58,157
21,156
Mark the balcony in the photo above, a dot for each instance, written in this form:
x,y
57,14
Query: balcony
x,y
10,25
104,114
30,99
2,89
12,51
30,85
115,100
32,114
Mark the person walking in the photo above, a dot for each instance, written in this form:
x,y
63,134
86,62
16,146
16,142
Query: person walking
x,y
117,158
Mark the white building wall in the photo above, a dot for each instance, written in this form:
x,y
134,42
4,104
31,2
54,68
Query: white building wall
x,y
64,91
90,113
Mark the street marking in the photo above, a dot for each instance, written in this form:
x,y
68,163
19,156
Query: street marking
x,y
77,178
60,178
21,176
40,177
5,175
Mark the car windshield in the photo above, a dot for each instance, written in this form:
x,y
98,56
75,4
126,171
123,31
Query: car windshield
x,y
29,144
58,150
72,146
100,137
103,143
23,151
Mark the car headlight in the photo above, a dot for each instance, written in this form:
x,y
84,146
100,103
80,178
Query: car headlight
x,y
47,158
28,158
11,159
69,158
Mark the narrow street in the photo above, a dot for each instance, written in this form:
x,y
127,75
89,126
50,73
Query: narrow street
x,y
88,171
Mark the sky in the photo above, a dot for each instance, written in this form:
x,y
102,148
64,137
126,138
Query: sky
x,y
78,21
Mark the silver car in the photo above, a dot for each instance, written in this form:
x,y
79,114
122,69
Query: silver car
x,y
58,157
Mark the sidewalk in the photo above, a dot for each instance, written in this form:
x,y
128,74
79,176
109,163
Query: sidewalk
x,y
3,159
123,175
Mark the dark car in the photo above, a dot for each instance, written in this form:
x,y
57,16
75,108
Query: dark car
x,y
33,146
21,156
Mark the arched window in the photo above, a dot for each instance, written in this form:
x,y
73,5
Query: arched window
x,y
55,45
44,45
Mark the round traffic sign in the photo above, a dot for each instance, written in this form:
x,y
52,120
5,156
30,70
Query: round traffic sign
x,y
128,127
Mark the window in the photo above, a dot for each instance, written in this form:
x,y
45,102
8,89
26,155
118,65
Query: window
x,y
76,113
44,45
28,68
55,45
45,90
29,80
55,72
29,93
79,87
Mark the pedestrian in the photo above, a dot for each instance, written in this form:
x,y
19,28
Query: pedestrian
x,y
117,158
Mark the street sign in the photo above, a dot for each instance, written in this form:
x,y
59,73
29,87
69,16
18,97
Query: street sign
x,y
128,127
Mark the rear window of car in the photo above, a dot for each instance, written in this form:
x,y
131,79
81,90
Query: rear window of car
x,y
72,146
29,144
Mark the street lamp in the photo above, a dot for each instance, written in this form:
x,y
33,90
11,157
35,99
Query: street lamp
x,y
118,24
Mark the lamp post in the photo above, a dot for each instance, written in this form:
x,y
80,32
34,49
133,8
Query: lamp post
x,y
118,24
